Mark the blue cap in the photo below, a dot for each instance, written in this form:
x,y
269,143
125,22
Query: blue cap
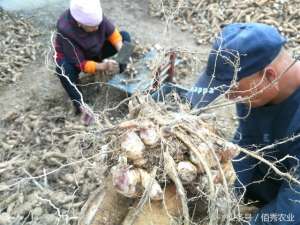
x,y
240,50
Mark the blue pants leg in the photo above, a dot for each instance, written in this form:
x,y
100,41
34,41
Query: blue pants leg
x,y
73,74
252,181
279,199
284,209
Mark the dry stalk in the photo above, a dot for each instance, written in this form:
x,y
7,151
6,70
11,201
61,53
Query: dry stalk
x,y
134,212
270,164
90,208
171,171
194,149
34,180
224,181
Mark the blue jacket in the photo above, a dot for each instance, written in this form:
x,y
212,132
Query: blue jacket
x,y
259,127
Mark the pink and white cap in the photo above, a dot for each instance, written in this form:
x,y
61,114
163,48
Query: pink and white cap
x,y
87,12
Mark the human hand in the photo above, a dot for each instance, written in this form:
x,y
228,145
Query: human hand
x,y
111,66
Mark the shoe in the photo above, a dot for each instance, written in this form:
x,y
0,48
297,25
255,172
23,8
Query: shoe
x,y
87,115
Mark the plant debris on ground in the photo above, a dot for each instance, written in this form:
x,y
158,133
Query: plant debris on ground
x,y
203,19
18,46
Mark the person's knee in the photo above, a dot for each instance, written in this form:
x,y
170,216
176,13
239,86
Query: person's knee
x,y
125,36
65,69
59,68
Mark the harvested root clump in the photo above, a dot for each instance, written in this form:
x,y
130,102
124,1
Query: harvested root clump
x,y
184,148
188,138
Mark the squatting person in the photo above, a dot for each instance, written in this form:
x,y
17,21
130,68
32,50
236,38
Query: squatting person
x,y
249,61
85,37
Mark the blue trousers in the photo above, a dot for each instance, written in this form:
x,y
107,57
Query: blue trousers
x,y
72,72
279,199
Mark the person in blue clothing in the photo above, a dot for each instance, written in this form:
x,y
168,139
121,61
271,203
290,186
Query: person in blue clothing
x,y
248,62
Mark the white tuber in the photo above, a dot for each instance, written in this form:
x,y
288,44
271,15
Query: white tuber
x,y
125,181
149,134
187,171
205,150
155,191
204,183
129,182
229,152
133,146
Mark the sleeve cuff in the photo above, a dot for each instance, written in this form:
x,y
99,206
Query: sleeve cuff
x,y
90,67
115,37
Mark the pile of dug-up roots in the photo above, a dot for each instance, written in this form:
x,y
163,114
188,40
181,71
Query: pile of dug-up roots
x,y
160,144
203,18
18,46
47,168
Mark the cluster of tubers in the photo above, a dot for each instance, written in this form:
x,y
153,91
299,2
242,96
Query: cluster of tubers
x,y
144,137
134,144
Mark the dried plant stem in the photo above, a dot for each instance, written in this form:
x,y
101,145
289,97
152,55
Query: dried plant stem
x,y
194,149
170,169
191,131
134,212
270,164
225,184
